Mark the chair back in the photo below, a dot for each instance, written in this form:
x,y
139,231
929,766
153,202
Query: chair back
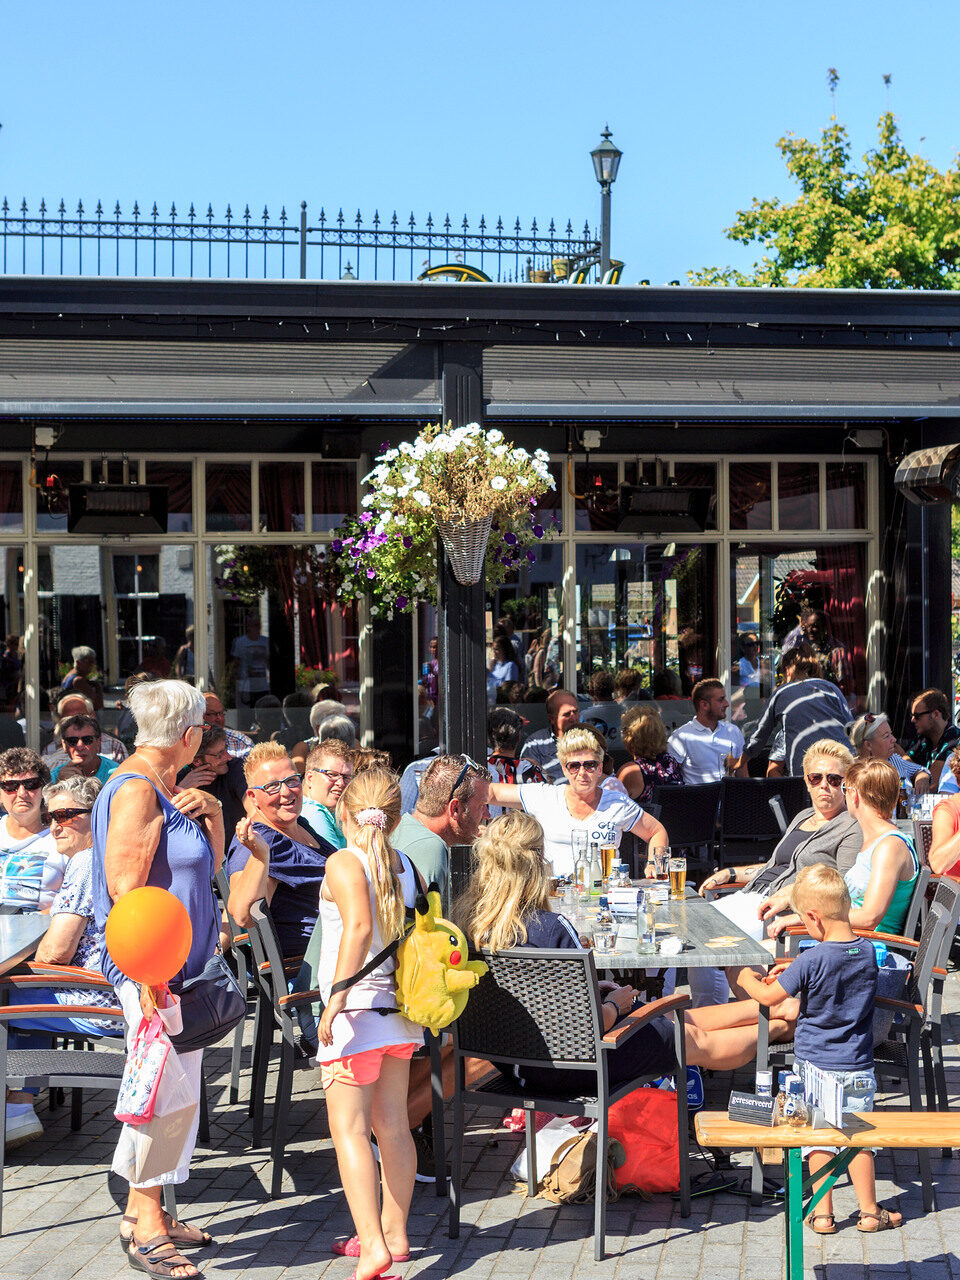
x,y
922,839
222,882
689,813
266,950
534,1007
933,949
779,813
916,913
745,811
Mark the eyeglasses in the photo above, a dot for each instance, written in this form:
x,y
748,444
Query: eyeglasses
x,y
88,739
334,776
62,816
591,766
467,765
292,783
12,785
835,779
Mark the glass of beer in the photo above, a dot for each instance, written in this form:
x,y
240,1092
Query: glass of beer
x,y
607,854
678,877
661,861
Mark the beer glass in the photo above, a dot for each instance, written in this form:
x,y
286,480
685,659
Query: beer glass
x,y
607,854
678,878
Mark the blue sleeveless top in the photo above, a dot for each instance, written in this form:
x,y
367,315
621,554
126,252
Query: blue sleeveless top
x,y
183,864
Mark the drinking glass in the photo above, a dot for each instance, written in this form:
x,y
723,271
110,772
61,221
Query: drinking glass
x,y
604,938
678,877
661,862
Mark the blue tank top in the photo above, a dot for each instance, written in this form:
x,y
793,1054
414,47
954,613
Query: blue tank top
x,y
183,864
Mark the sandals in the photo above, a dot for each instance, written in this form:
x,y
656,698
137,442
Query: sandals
x,y
141,1258
349,1247
885,1220
180,1233
830,1230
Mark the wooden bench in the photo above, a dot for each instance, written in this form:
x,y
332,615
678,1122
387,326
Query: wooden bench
x,y
905,1130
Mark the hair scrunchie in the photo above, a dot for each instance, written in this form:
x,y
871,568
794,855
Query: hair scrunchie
x,y
372,818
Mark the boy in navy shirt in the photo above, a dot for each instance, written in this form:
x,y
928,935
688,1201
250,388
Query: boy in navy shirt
x,y
836,983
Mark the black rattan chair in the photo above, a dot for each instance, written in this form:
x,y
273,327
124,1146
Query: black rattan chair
x,y
689,814
241,956
748,824
542,1008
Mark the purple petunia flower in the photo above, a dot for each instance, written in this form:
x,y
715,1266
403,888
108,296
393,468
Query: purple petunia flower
x,y
408,542
366,518
371,573
538,530
402,602
336,545
510,539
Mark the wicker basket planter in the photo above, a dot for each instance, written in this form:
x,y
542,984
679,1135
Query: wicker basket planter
x,y
466,545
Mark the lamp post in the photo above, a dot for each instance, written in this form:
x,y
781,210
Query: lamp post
x,y
606,162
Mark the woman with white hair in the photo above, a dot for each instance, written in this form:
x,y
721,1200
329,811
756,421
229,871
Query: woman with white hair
x,y
77,679
147,832
872,739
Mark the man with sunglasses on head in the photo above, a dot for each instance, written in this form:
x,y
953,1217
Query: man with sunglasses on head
x,y
450,808
936,736
80,736
31,868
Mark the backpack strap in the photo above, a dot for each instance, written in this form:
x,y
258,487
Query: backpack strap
x,y
390,950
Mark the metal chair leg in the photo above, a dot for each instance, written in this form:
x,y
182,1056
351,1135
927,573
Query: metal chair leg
x,y
456,1165
436,1107
236,1055
600,1185
280,1110
203,1128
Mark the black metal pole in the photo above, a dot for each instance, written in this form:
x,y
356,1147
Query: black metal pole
x,y
463,702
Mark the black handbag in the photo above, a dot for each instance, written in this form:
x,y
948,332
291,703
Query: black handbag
x,y
211,1004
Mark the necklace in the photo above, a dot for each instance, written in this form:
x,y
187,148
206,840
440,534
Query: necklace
x,y
158,778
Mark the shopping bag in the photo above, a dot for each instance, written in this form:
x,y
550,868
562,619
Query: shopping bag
x,y
548,1139
148,1151
645,1122
142,1072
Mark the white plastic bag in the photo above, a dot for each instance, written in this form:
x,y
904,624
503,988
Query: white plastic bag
x,y
548,1139
148,1151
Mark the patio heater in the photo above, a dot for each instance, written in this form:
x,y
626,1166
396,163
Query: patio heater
x,y
606,162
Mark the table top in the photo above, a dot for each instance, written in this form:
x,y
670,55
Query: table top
x,y
697,923
900,1129
19,936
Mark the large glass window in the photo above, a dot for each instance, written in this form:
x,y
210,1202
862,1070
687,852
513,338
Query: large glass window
x,y
751,495
11,653
334,494
650,607
597,500
281,497
52,497
798,488
11,496
229,508
846,495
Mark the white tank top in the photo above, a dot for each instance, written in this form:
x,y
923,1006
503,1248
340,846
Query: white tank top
x,y
359,1027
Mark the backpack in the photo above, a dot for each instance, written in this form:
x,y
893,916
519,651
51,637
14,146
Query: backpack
x,y
571,1178
433,975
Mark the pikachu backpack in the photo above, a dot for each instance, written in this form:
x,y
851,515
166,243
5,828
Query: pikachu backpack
x,y
433,973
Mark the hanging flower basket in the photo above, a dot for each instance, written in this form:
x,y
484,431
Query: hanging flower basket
x,y
465,543
480,492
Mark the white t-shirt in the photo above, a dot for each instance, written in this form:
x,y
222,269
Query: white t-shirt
x,y
31,870
615,814
702,751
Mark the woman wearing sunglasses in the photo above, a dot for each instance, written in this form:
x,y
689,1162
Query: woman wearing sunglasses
x,y
603,814
873,739
31,868
824,832
72,939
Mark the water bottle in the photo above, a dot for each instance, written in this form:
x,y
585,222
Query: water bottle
x,y
596,871
646,924
796,1112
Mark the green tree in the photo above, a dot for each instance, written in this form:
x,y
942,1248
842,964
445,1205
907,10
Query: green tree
x,y
894,223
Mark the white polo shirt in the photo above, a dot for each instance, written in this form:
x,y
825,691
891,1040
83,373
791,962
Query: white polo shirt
x,y
701,751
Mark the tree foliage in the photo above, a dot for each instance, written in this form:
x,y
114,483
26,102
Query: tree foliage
x,y
893,223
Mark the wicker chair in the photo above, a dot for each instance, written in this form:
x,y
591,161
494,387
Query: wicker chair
x,y
540,1008
747,822
689,814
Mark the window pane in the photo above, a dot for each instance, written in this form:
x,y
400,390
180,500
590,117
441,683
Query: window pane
x,y
699,475
178,477
750,495
66,473
846,495
798,485
549,510
532,602
643,609
12,692
334,493
598,508
274,625
228,498
11,496
281,497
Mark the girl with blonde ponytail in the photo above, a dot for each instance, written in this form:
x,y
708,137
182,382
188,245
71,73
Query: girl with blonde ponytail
x,y
365,1045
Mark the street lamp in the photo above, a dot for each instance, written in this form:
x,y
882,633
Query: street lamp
x,y
606,162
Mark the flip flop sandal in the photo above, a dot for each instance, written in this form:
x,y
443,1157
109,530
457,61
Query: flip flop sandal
x,y
349,1247
141,1259
182,1235
814,1218
884,1221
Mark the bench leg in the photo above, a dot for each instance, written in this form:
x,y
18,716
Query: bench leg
x,y
793,1213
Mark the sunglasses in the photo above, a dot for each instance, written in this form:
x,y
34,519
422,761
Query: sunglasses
x,y
591,766
915,715
88,739
61,816
293,783
333,776
12,785
467,766
834,779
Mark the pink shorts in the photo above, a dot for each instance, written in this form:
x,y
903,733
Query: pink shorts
x,y
362,1068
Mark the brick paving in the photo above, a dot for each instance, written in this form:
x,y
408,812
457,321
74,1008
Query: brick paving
x,y
61,1214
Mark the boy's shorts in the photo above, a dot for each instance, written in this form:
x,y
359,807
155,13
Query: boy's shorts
x,y
859,1088
362,1068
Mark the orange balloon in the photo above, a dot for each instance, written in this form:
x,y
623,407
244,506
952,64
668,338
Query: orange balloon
x,y
148,934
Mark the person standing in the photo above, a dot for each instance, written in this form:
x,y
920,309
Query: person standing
x,y
147,832
79,678
936,735
563,712
706,745
806,709
251,655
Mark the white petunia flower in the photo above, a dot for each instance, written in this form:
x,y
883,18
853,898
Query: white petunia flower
x,y
500,451
389,489
422,498
498,483
523,482
368,499
406,448
519,455
494,436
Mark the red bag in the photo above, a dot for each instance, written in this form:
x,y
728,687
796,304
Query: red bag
x,y
645,1121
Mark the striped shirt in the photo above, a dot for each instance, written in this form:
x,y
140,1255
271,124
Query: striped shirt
x,y
807,710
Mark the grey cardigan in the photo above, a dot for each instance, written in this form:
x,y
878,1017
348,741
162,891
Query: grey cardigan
x,y
836,844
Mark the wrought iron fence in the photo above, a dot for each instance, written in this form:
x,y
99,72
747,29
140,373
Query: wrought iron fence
x,y
244,246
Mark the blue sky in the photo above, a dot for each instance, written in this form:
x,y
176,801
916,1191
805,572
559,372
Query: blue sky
x,y
488,108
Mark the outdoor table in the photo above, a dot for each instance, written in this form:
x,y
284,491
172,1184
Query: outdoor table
x,y
905,1130
19,937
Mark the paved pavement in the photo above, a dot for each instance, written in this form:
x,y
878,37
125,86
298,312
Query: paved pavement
x,y
60,1212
